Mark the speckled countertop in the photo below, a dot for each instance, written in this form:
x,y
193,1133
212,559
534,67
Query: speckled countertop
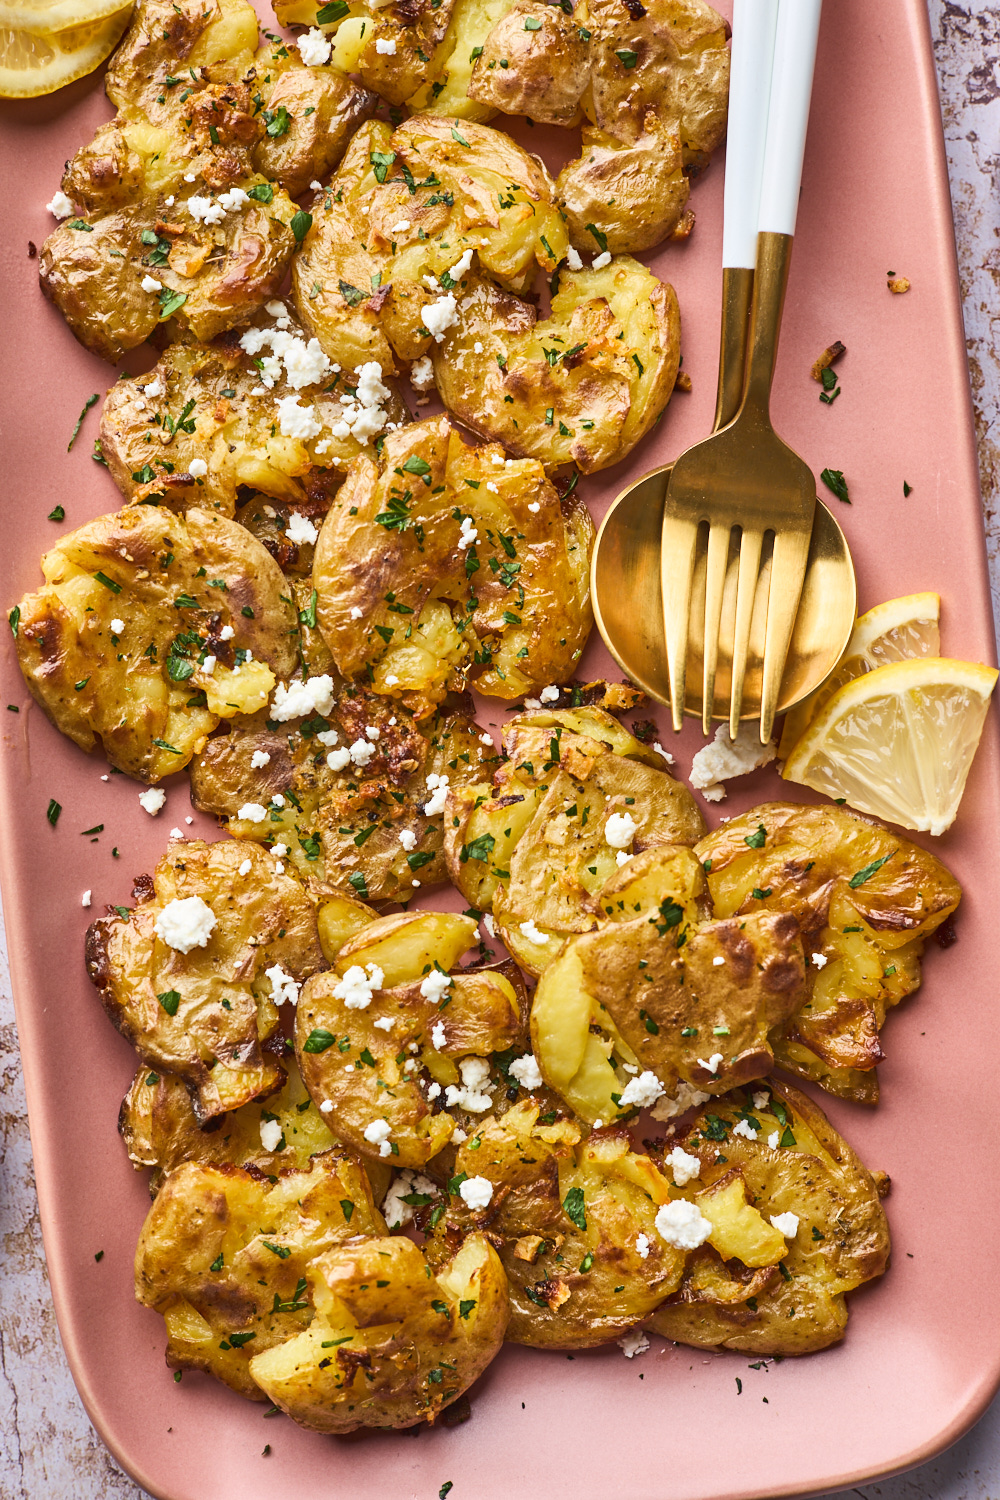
x,y
47,1446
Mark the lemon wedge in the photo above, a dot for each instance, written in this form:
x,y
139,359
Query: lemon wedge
x,y
32,64
47,16
893,631
898,742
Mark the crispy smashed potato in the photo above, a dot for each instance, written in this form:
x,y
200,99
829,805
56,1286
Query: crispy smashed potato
x,y
410,34
533,846
781,1159
399,225
866,901
279,431
582,386
194,973
445,561
573,1223
224,1253
391,1344
396,1032
150,629
358,826
655,991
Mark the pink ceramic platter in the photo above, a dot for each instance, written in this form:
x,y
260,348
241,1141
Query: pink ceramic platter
x,y
921,1359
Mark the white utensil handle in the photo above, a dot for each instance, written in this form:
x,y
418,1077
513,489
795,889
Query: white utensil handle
x,y
754,25
788,113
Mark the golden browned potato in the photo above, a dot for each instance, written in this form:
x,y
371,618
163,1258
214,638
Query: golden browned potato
x,y
396,1035
194,973
573,1222
224,1255
392,1344
534,848
151,627
772,1153
282,430
583,385
866,900
656,1002
400,224
354,795
445,562
535,61
165,40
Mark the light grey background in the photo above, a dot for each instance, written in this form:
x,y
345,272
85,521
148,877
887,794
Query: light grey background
x,y
47,1446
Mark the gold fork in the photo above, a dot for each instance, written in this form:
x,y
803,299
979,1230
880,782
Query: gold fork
x,y
744,477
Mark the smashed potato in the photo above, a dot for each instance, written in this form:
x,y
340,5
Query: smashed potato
x,y
150,628
534,847
445,561
656,992
224,1255
391,1343
583,385
194,973
283,430
399,225
866,900
396,1027
781,1159
353,797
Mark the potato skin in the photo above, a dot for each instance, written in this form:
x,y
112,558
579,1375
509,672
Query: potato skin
x,y
615,338
872,935
402,1347
131,692
540,72
842,1240
205,1258
224,1012
315,141
504,588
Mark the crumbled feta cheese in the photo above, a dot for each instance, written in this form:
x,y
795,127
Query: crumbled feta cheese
x,y
197,468
712,1065
477,347
226,633
820,960
467,533
492,487
356,613
252,812
459,1136
300,529
401,228
245,867
408,839
152,800
361,752
620,830
549,694
686,1097
339,760
718,961
386,46
304,362
396,1213
681,1225
665,753
357,987
279,868
786,1224
385,1023
437,801
489,924
364,414
534,507
279,850
533,933
744,1128
439,316
633,1343
284,990
774,1140
233,199
150,284
328,737
723,758
641,1092
156,387
476,1193
760,1101
486,739
260,758
438,1038
117,626
296,421
378,1133
422,373
472,1094
434,986
573,259
297,699
185,923
60,206
270,1134
85,898
642,1246
600,261
315,48
684,1166
326,1108
204,210
458,270
527,1072
277,308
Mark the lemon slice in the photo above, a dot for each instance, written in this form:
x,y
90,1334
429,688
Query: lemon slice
x,y
31,64
898,742
45,16
894,631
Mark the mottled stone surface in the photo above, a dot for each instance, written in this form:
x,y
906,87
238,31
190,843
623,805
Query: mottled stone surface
x,y
47,1447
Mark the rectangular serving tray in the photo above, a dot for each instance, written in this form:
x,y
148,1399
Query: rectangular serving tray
x,y
921,1359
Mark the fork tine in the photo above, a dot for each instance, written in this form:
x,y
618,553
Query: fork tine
x,y
788,571
746,586
680,539
715,584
